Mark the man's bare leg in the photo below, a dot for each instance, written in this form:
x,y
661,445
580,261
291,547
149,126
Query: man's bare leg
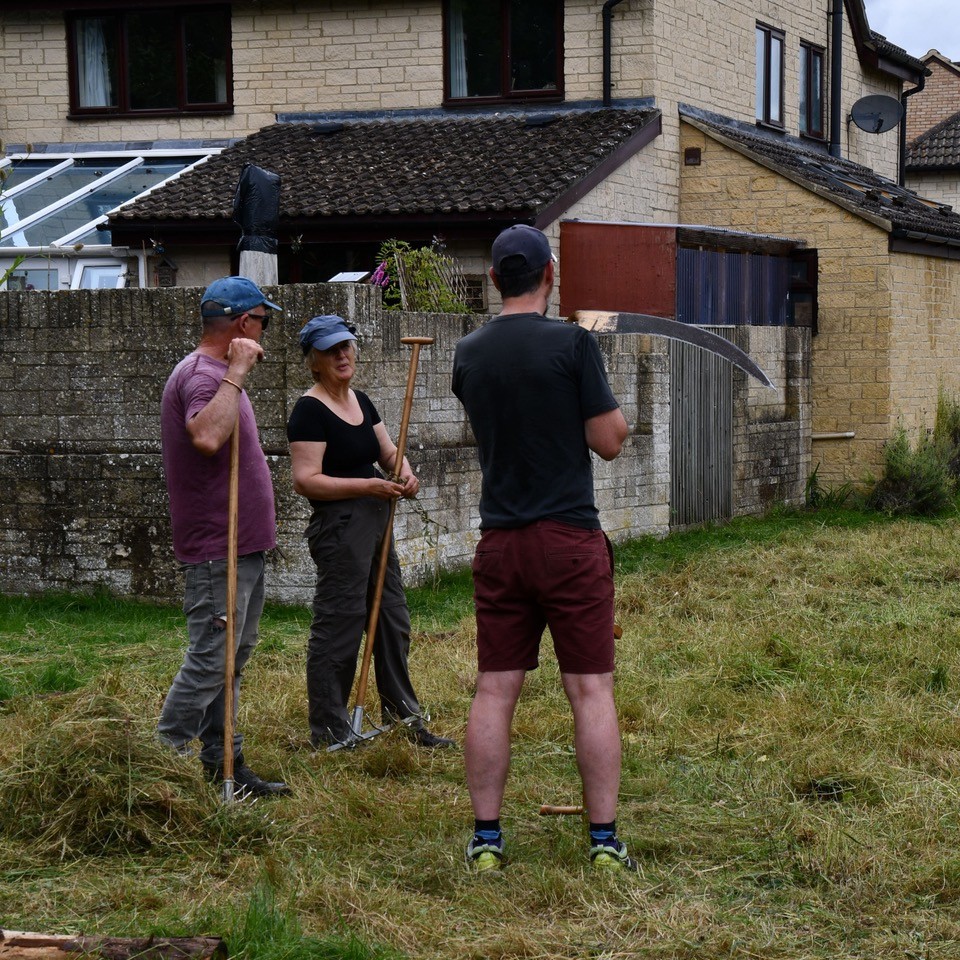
x,y
597,741
487,745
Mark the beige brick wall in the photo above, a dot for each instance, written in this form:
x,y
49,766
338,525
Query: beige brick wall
x,y
665,50
719,73
316,55
925,317
850,373
33,57
296,56
942,187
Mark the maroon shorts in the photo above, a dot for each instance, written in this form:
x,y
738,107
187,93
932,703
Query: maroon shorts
x,y
548,574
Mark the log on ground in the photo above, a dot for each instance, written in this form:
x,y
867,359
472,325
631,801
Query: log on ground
x,y
18,945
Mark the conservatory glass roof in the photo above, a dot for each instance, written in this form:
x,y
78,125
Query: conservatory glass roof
x,y
63,199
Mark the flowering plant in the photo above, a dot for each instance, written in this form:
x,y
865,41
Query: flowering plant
x,y
421,279
380,277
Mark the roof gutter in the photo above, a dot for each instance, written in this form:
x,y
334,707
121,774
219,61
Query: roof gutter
x,y
902,163
836,76
607,50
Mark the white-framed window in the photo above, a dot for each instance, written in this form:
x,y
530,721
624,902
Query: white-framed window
x,y
59,273
52,206
98,275
769,75
35,273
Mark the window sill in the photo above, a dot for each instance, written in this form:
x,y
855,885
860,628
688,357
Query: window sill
x,y
516,100
150,114
770,125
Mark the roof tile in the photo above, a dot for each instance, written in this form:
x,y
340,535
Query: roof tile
x,y
856,187
938,148
468,165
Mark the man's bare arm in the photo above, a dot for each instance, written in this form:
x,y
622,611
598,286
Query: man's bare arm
x,y
211,427
606,432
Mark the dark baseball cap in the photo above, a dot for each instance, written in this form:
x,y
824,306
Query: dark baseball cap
x,y
321,333
230,295
521,240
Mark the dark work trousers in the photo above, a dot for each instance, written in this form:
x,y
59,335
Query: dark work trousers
x,y
346,538
194,706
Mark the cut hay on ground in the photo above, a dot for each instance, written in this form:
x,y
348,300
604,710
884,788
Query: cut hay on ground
x,y
94,780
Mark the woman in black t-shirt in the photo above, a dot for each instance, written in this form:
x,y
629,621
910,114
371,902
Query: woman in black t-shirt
x,y
337,440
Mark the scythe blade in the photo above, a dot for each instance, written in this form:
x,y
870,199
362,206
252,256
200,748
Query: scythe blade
x,y
597,321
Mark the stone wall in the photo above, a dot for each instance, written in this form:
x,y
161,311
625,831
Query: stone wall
x,y
82,499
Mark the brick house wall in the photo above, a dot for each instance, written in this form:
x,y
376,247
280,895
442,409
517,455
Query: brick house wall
x,y
925,318
331,55
720,75
887,325
939,99
291,57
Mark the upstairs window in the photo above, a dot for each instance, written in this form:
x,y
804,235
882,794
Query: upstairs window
x,y
503,49
163,61
769,75
811,90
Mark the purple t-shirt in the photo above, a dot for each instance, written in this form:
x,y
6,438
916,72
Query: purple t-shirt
x,y
198,485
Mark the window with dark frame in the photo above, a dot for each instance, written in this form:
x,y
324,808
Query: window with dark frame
x,y
158,61
811,90
769,75
503,50
475,291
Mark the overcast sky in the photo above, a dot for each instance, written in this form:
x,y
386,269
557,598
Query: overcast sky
x,y
918,25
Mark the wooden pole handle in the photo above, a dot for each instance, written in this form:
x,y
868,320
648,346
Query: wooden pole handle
x,y
551,810
230,640
374,615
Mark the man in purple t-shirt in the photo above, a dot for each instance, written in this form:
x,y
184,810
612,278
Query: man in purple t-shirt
x,y
202,400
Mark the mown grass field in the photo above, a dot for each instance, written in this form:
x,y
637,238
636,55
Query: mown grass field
x,y
788,689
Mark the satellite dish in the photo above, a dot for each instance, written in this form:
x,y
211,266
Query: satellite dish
x,y
877,113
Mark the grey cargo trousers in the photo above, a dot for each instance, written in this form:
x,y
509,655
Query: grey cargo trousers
x,y
194,705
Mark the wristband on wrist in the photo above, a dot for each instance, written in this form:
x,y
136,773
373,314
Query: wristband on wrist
x,y
233,384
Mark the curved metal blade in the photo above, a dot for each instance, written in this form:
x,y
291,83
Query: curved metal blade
x,y
597,321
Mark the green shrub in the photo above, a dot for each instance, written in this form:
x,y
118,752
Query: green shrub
x,y
819,497
917,479
946,430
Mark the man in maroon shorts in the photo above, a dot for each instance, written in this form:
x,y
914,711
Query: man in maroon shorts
x,y
538,401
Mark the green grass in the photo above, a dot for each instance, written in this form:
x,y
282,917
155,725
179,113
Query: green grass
x,y
788,691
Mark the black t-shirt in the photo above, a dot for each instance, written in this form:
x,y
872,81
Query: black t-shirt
x,y
352,451
528,383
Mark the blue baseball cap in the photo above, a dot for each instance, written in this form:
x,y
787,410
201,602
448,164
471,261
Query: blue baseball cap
x,y
231,295
321,333
522,241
